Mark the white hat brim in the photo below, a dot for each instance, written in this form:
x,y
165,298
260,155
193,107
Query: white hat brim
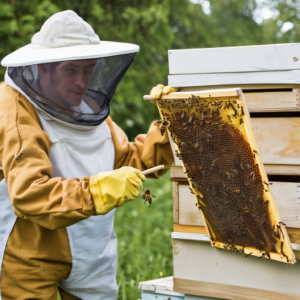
x,y
30,55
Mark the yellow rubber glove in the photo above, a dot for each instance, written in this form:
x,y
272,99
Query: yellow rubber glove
x,y
113,189
159,90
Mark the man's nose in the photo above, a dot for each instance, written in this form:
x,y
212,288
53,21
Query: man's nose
x,y
80,80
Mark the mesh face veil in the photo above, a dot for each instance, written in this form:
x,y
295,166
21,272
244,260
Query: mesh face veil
x,y
74,91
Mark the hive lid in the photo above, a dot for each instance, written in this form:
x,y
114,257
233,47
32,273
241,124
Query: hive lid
x,y
266,64
263,58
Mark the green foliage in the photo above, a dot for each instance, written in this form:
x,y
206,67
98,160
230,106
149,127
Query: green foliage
x,y
156,26
285,11
144,243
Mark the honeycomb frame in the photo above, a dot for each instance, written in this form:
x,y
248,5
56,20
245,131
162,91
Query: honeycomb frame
x,y
233,195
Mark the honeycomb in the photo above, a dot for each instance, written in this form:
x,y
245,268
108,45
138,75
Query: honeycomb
x,y
223,173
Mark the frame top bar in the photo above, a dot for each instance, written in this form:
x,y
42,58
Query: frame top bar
x,y
232,92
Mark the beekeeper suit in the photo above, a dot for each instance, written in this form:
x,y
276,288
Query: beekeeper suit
x,y
64,164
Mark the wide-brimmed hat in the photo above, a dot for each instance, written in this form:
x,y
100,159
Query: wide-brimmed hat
x,y
65,36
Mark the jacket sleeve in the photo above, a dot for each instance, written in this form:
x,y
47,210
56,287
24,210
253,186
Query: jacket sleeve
x,y
24,157
147,151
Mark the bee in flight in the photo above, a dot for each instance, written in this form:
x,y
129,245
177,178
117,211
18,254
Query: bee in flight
x,y
163,126
147,196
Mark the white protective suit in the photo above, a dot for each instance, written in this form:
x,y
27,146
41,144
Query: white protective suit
x,y
79,153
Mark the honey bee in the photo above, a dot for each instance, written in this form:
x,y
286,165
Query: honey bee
x,y
163,126
242,111
235,112
248,254
147,196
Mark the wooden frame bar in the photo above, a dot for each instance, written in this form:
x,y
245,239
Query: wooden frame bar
x,y
233,92
281,101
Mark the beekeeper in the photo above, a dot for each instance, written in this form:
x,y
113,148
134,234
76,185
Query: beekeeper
x,y
64,164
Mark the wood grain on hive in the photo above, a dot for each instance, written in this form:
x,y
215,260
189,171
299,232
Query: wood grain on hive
x,y
285,195
214,139
202,270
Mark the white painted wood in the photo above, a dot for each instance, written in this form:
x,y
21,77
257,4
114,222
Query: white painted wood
x,y
199,261
286,196
244,87
278,77
205,238
189,214
177,161
282,169
190,236
228,292
177,172
160,286
295,247
278,140
235,59
175,202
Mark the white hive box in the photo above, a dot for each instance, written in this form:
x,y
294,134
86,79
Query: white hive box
x,y
267,64
202,270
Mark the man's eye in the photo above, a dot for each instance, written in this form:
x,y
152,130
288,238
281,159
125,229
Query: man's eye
x,y
89,71
71,71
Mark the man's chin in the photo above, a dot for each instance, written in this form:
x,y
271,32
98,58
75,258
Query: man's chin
x,y
74,102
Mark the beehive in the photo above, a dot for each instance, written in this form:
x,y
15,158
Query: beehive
x,y
268,77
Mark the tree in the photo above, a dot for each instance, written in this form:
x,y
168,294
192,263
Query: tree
x,y
156,26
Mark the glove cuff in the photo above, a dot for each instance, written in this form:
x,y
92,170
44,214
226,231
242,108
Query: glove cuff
x,y
96,195
101,206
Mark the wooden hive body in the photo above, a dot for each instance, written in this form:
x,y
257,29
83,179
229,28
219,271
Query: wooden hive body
x,y
268,77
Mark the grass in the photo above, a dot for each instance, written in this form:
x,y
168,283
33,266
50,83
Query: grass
x,y
144,243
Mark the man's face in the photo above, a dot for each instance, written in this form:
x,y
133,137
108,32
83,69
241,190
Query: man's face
x,y
65,83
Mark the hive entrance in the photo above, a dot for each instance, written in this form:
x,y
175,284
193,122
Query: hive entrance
x,y
225,174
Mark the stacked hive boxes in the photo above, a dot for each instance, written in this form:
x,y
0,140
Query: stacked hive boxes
x,y
269,77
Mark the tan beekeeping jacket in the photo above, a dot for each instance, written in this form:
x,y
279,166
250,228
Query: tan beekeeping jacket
x,y
24,158
45,206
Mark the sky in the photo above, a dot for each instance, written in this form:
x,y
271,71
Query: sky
x,y
263,12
